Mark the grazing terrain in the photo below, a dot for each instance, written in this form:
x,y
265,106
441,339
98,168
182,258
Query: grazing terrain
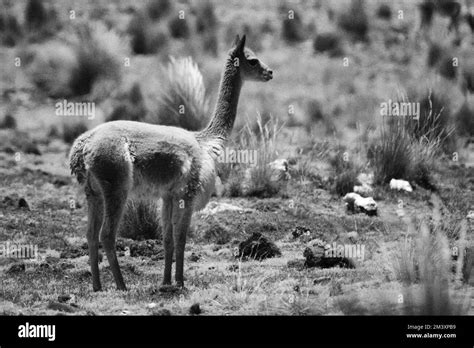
x,y
325,126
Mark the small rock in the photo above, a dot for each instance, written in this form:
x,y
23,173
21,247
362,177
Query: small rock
x,y
299,231
194,257
352,235
321,280
64,298
219,187
22,203
400,185
151,305
195,309
125,312
233,268
280,170
356,203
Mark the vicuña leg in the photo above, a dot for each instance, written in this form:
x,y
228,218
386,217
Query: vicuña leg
x,y
167,228
182,212
94,223
115,200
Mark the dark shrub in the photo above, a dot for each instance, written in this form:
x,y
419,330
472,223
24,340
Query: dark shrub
x,y
355,20
384,12
292,27
179,28
328,42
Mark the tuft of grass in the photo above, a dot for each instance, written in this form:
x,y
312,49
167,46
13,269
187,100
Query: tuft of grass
x,y
328,43
183,101
399,155
426,260
75,68
97,51
435,122
259,181
141,220
345,173
355,20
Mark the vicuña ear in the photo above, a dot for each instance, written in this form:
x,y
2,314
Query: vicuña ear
x,y
236,41
240,45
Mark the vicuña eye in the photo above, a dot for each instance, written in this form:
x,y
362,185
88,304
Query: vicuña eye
x,y
253,62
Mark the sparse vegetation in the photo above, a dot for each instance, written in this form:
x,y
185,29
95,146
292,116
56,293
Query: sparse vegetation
x,y
333,132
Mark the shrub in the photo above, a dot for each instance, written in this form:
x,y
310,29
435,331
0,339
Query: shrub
x,y
10,29
384,12
259,181
427,260
399,155
210,43
179,28
8,122
441,58
97,51
141,220
465,119
292,27
434,122
35,15
146,38
206,19
72,130
355,20
183,101
328,42
157,9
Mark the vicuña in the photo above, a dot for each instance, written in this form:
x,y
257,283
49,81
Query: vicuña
x,y
119,159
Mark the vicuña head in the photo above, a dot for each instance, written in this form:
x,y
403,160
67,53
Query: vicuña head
x,y
119,159
251,68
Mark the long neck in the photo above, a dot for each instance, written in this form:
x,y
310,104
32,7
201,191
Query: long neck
x,y
225,111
